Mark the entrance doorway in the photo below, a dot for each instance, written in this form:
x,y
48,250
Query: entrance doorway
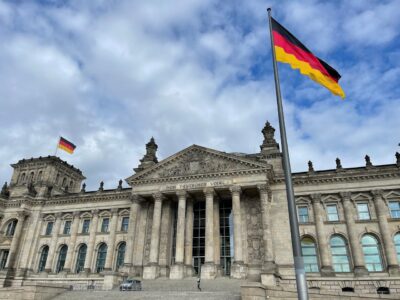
x,y
226,235
199,232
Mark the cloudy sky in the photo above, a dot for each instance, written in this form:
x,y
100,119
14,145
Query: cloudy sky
x,y
108,75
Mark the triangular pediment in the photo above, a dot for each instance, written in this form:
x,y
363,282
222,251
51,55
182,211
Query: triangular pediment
x,y
196,160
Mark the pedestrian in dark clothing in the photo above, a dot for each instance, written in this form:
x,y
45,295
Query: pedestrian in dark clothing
x,y
198,283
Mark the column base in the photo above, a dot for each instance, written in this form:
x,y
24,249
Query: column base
x,y
189,271
393,270
208,271
268,267
239,270
151,271
177,271
327,271
360,271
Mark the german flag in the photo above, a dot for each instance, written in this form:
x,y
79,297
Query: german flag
x,y
290,50
66,145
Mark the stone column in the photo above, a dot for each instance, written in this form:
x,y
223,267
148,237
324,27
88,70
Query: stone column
x,y
53,244
208,270
177,270
72,242
111,240
238,269
133,216
387,242
27,246
323,245
16,241
189,238
358,256
92,238
217,237
268,269
151,271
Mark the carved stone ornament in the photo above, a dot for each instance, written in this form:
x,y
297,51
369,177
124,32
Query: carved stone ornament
x,y
316,198
135,198
158,197
368,162
346,196
101,187
235,189
181,194
119,184
83,189
377,194
338,163
398,159
310,166
209,191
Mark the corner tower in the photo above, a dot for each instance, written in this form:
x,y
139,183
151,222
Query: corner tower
x,y
44,176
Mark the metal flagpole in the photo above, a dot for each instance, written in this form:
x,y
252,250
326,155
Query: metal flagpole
x,y
294,224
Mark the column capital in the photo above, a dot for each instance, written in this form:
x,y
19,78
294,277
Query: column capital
x,y
346,196
378,194
114,211
58,215
235,189
263,188
181,194
95,212
76,214
22,214
209,191
136,198
159,197
316,198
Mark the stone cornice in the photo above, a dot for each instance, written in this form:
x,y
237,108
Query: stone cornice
x,y
345,175
200,176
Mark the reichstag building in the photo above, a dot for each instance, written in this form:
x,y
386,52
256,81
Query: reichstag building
x,y
202,212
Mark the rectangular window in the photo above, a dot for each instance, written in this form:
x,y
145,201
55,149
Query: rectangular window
x,y
394,207
3,261
85,226
303,214
332,212
104,225
49,228
125,224
67,227
363,211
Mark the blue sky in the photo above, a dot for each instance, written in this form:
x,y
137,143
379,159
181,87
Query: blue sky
x,y
108,75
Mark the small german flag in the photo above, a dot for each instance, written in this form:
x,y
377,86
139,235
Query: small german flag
x,y
288,49
66,145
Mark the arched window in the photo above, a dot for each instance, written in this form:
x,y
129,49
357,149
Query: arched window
x,y
309,253
64,182
397,245
61,258
31,177
372,253
101,258
39,177
340,255
22,178
43,258
11,228
120,255
71,184
80,260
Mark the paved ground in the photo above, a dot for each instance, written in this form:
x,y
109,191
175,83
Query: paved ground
x,y
165,289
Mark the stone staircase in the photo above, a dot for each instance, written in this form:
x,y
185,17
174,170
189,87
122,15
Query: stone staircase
x,y
166,289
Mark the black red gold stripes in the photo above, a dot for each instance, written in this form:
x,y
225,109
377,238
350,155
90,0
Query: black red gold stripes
x,y
288,49
66,145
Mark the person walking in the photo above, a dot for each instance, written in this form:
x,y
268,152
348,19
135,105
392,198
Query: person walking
x,y
198,283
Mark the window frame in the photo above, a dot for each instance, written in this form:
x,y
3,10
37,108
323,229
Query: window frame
x,y
329,214
86,229
105,225
125,227
49,230
379,250
11,226
347,254
317,263
397,215
67,229
300,216
359,213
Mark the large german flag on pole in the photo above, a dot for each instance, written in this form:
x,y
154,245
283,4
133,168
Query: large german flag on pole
x,y
66,145
290,50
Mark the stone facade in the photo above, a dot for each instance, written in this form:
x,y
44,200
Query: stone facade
x,y
202,212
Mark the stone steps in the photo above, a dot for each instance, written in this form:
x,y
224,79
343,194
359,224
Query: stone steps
x,y
149,295
166,289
